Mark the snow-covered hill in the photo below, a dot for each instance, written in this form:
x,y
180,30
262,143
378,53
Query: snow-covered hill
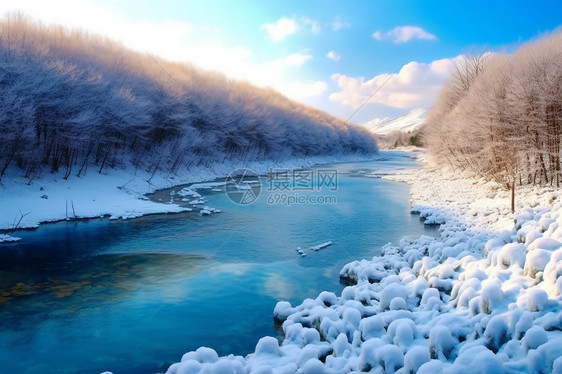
x,y
406,123
77,103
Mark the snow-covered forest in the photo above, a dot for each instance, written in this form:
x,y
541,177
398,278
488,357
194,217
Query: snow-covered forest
x,y
500,116
72,101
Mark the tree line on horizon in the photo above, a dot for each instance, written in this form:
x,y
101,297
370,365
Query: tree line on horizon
x,y
70,100
500,116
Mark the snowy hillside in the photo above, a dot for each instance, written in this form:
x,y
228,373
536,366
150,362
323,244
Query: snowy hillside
x,y
406,123
72,103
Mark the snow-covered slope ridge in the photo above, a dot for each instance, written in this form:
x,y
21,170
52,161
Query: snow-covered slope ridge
x,y
406,123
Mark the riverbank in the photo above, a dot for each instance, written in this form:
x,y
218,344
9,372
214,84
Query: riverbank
x,y
117,193
484,297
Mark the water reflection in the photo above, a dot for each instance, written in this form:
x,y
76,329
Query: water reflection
x,y
95,279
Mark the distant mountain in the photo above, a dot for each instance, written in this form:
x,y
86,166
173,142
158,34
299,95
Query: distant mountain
x,y
69,100
406,123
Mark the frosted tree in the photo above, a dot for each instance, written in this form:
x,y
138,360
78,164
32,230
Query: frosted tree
x,y
72,100
500,116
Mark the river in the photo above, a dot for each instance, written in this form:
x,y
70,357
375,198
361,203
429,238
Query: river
x,y
132,296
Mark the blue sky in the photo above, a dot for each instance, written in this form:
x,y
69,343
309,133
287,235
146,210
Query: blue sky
x,y
329,54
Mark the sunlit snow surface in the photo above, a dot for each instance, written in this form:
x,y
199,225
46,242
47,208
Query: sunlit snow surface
x,y
483,298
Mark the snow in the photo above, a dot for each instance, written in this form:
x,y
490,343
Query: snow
x,y
206,211
118,193
406,123
484,297
188,191
534,338
4,238
202,355
320,246
268,346
548,244
208,185
536,299
415,358
536,262
301,252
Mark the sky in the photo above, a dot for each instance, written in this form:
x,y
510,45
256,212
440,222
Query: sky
x,y
355,59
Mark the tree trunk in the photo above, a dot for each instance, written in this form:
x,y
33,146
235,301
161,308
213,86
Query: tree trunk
x,y
103,162
513,197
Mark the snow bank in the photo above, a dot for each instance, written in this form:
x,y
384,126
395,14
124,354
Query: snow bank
x,y
118,193
485,297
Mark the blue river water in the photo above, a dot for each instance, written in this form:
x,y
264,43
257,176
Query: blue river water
x,y
133,296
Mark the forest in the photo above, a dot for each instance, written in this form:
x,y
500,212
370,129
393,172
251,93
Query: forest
x,y
70,100
500,116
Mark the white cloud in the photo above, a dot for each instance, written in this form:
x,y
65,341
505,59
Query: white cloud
x,y
161,38
177,41
333,55
279,30
415,85
403,34
272,74
285,27
304,90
